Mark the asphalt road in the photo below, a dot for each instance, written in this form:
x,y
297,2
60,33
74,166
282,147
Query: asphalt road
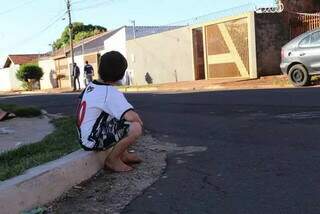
x,y
262,150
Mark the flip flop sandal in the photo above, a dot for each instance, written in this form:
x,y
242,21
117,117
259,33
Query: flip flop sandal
x,y
7,116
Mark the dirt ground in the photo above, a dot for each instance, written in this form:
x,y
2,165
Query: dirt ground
x,y
110,192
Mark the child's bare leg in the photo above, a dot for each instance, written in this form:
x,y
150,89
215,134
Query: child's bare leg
x,y
130,158
113,161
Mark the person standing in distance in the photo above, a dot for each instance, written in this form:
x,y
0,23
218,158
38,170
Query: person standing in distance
x,y
88,72
76,74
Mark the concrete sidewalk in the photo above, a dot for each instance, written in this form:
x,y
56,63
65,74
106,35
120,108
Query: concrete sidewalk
x,y
21,131
45,91
279,81
215,84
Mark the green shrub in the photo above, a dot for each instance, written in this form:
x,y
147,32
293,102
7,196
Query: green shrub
x,y
28,74
29,71
26,86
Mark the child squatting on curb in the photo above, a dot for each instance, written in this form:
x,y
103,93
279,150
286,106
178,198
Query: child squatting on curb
x,y
105,119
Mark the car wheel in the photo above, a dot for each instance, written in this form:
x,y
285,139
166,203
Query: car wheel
x,y
299,76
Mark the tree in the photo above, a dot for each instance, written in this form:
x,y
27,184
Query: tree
x,y
80,32
29,74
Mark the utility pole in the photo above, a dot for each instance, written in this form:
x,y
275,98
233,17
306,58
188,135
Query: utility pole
x,y
71,35
134,28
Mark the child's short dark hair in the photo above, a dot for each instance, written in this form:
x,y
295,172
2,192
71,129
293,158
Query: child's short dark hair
x,y
113,66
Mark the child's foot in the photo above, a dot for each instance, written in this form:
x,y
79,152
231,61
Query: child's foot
x,y
117,166
131,158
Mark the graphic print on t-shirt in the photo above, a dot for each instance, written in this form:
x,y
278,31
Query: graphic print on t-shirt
x,y
101,110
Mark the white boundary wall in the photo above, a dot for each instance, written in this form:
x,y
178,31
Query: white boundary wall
x,y
48,67
8,80
116,42
5,84
166,57
80,64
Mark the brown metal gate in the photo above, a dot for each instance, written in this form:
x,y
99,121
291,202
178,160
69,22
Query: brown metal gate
x,y
227,48
303,22
63,73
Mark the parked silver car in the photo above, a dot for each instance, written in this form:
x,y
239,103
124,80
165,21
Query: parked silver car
x,y
300,58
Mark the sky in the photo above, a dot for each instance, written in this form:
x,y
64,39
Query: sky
x,y
30,26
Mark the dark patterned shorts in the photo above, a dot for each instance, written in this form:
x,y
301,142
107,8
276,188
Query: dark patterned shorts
x,y
107,132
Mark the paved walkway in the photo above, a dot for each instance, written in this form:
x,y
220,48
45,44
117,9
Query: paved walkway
x,y
216,84
20,131
279,81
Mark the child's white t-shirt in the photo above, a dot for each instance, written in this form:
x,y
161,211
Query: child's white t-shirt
x,y
99,98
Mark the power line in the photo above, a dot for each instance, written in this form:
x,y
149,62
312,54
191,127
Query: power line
x,y
95,5
16,7
34,36
79,2
214,15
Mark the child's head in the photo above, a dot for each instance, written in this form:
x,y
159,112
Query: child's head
x,y
112,67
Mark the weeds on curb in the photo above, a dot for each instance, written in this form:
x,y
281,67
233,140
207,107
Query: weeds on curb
x,y
26,111
61,142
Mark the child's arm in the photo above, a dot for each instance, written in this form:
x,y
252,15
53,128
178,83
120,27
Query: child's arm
x,y
132,116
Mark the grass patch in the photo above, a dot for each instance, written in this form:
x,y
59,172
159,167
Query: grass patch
x,y
61,142
26,111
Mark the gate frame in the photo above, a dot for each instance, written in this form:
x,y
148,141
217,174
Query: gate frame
x,y
251,41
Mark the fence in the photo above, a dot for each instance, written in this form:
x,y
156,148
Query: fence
x,y
301,22
215,15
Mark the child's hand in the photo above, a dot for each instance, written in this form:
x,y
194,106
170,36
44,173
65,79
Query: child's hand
x,y
132,116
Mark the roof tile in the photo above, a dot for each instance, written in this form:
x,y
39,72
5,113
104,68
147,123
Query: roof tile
x,y
20,59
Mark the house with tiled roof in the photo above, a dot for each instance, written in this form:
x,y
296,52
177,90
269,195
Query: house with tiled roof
x,y
8,79
57,67
20,59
